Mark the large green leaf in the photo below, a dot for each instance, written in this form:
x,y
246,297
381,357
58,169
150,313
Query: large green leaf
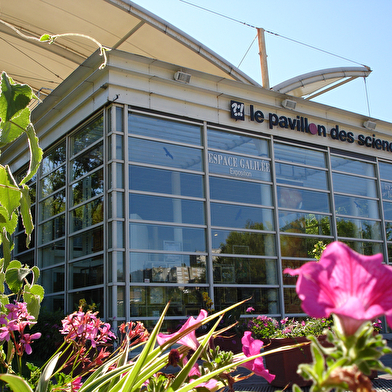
x,y
10,193
35,153
25,213
15,277
16,383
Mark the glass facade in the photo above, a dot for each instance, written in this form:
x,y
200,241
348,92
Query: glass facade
x,y
135,209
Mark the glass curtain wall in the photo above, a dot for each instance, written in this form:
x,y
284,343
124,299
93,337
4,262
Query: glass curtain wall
x,y
157,209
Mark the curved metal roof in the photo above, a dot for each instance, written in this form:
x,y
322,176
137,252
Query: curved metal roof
x,y
119,24
315,83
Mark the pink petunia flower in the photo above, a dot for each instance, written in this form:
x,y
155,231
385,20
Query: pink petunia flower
x,y
252,347
354,287
188,340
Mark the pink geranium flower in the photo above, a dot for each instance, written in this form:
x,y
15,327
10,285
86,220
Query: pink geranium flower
x,y
252,347
188,340
354,287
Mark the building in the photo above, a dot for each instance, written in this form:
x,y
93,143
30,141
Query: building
x,y
163,180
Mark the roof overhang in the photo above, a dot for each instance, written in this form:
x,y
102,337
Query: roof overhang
x,y
313,84
119,24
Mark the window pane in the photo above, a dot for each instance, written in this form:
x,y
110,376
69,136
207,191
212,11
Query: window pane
x,y
240,191
53,205
87,135
355,206
296,222
354,185
386,190
387,210
294,264
87,162
87,188
352,166
295,246
85,243
164,154
303,200
166,209
51,254
52,182
244,270
385,170
88,272
150,301
87,215
241,217
55,228
164,129
92,297
359,228
172,268
365,248
238,144
241,242
157,237
53,158
239,166
301,176
165,181
299,155
292,303
53,279
263,301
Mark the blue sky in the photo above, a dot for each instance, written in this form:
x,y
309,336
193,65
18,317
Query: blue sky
x,y
356,30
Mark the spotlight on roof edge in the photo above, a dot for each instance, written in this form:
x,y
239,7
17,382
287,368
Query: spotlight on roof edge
x,y
289,104
182,77
370,125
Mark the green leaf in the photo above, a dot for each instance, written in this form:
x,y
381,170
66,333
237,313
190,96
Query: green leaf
x,y
2,279
15,277
35,153
25,213
10,193
16,383
45,38
36,273
46,374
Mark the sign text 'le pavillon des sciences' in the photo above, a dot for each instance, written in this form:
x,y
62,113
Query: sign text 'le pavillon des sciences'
x,y
301,124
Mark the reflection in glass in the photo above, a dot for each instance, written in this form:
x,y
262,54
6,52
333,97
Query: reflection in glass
x,y
358,228
53,158
237,143
365,248
165,154
149,301
385,170
241,217
87,135
167,268
243,242
294,264
355,206
87,188
299,246
292,303
166,209
84,273
240,191
53,205
51,254
55,302
94,296
87,215
53,279
301,176
165,181
354,185
160,237
297,222
244,270
301,199
53,181
303,156
352,166
161,128
262,300
52,229
87,162
85,243
386,190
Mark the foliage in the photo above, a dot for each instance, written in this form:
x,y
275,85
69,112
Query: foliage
x,y
264,327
